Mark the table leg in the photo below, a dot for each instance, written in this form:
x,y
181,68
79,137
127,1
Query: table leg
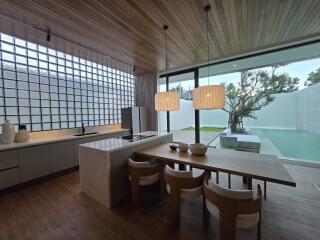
x,y
227,227
182,167
245,180
161,180
217,177
249,182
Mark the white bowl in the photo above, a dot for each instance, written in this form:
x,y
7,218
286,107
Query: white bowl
x,y
198,149
183,147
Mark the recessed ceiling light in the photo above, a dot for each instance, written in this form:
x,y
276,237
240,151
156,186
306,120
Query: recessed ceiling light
x,y
234,65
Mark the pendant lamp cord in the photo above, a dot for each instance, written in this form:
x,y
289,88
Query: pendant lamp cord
x,y
207,10
166,47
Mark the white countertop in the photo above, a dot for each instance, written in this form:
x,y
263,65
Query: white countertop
x,y
33,142
111,144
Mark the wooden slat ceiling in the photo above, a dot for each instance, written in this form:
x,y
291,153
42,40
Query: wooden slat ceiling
x,y
131,30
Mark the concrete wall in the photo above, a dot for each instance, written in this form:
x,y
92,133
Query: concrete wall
x,y
297,110
308,109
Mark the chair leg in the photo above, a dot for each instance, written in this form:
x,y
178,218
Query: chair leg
x,y
135,193
265,190
175,208
205,210
259,227
229,180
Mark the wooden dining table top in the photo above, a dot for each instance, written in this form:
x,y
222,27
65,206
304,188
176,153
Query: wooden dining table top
x,y
247,164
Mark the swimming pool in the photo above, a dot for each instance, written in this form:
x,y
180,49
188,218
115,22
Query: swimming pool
x,y
289,144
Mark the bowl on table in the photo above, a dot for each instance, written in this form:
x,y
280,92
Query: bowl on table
x,y
173,147
183,147
198,149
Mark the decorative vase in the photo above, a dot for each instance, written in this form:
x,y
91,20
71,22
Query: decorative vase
x,y
7,132
22,135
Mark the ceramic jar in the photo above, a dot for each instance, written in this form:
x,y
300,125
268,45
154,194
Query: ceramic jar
x,y
7,132
22,135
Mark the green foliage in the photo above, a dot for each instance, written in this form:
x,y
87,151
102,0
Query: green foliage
x,y
254,91
178,89
313,78
206,129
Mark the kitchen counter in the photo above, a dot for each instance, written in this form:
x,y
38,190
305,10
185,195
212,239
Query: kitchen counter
x,y
115,144
40,141
103,166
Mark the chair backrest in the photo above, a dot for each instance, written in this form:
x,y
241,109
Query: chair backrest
x,y
136,164
182,179
140,169
230,193
235,202
177,173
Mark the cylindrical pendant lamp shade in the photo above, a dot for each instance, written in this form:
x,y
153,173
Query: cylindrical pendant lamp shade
x,y
167,101
209,97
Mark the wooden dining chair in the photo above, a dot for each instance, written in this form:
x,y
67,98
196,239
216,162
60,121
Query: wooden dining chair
x,y
233,208
142,174
182,185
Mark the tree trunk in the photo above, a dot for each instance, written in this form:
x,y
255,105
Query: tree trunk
x,y
234,122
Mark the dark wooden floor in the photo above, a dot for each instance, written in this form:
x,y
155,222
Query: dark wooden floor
x,y
56,210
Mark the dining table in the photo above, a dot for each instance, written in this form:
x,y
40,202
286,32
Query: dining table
x,y
249,165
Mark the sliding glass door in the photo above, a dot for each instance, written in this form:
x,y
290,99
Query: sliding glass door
x,y
182,122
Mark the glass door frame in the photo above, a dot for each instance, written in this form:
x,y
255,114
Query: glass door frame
x,y
195,72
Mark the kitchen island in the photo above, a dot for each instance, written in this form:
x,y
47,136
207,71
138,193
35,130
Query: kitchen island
x,y
103,165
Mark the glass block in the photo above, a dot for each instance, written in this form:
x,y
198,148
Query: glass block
x,y
46,118
10,93
35,95
12,111
36,127
9,83
12,102
55,118
45,110
44,88
46,126
24,119
33,78
32,54
13,119
35,111
24,110
35,119
54,110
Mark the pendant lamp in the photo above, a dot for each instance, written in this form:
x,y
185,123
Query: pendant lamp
x,y
211,96
167,101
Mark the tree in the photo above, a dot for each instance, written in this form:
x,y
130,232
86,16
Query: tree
x,y
179,89
313,78
253,92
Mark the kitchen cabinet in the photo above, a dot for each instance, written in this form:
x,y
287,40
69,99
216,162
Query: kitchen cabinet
x,y
61,156
9,177
34,162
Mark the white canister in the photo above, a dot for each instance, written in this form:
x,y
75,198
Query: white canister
x,y
7,132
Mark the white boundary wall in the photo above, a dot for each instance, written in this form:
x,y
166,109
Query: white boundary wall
x,y
297,110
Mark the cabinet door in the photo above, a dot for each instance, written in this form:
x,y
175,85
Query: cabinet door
x,y
61,156
34,162
9,177
8,159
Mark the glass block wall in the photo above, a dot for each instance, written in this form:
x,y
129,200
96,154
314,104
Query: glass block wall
x,y
46,89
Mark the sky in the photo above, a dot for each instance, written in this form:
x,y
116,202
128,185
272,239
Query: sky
x,y
300,70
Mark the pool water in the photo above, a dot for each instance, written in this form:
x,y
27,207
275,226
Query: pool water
x,y
289,144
